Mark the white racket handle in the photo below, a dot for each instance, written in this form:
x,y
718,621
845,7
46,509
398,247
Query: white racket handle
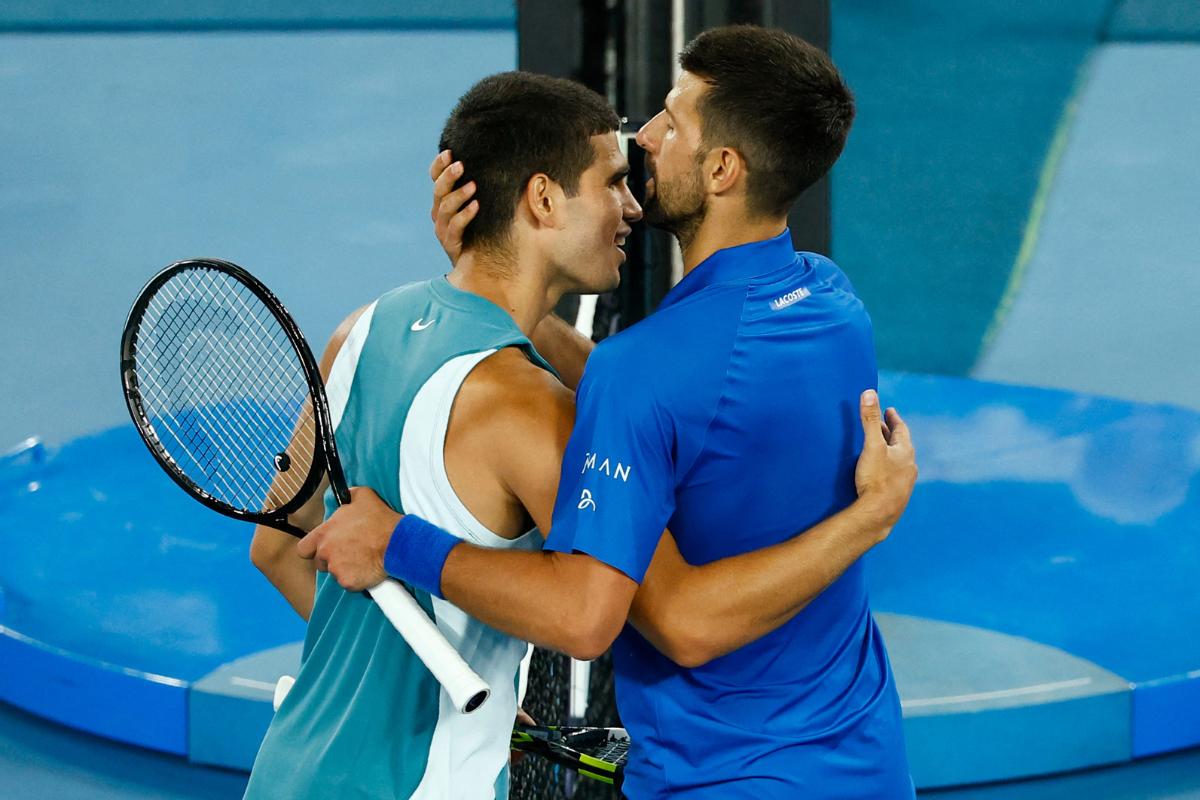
x,y
467,691
282,687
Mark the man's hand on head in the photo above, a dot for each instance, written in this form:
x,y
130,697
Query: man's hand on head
x,y
453,209
887,468
350,545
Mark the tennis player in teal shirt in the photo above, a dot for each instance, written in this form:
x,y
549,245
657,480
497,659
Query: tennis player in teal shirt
x,y
727,417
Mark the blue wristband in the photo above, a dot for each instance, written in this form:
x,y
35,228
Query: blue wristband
x,y
417,552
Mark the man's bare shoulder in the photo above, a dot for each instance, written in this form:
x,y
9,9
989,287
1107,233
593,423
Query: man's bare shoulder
x,y
338,339
510,384
511,421
506,393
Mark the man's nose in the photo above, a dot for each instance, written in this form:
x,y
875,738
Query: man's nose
x,y
643,135
631,211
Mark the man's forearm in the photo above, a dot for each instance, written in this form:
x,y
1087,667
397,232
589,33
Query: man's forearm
x,y
695,614
565,348
273,552
298,587
555,600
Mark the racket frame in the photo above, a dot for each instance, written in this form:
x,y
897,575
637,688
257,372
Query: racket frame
x,y
466,689
553,743
329,463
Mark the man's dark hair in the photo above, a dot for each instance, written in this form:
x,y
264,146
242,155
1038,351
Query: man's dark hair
x,y
511,126
776,99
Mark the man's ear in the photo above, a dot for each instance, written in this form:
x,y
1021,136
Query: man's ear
x,y
543,199
724,170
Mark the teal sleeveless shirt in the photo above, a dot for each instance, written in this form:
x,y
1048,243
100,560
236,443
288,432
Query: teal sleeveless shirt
x,y
362,720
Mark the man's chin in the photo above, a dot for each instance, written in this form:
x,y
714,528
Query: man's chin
x,y
610,282
600,284
613,281
660,222
652,215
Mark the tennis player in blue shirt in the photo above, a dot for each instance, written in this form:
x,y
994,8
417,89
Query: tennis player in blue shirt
x,y
699,419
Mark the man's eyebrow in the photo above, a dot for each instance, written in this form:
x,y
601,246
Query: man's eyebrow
x,y
621,173
667,106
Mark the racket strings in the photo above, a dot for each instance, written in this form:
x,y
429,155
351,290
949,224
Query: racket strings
x,y
203,435
188,325
225,391
245,415
599,743
614,751
182,393
282,361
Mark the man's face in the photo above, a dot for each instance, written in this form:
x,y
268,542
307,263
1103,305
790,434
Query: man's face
x,y
675,197
597,221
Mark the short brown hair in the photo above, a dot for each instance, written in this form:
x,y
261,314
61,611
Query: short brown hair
x,y
776,99
511,126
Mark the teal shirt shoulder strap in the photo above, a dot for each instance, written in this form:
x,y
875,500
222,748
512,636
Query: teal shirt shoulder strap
x,y
490,314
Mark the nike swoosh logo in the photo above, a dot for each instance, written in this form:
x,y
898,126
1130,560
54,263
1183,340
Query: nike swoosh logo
x,y
421,324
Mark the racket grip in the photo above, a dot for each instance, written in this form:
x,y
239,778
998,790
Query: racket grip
x,y
467,691
282,687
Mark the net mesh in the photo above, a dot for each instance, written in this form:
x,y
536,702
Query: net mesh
x,y
223,392
548,701
602,712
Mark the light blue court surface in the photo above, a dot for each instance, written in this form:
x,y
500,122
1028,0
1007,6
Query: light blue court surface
x,y
300,156
40,760
957,106
187,15
1107,301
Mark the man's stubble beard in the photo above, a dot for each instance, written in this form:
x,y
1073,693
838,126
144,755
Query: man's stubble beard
x,y
684,209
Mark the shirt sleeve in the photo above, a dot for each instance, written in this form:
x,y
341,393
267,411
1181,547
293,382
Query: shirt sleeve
x,y
617,487
829,271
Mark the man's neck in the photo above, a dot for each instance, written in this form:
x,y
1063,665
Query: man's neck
x,y
719,231
524,293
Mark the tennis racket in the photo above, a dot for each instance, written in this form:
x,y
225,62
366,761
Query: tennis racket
x,y
596,753
226,394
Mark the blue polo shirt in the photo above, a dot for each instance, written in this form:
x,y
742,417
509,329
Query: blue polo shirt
x,y
730,416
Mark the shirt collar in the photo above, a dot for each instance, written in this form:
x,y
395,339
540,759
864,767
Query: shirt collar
x,y
732,264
